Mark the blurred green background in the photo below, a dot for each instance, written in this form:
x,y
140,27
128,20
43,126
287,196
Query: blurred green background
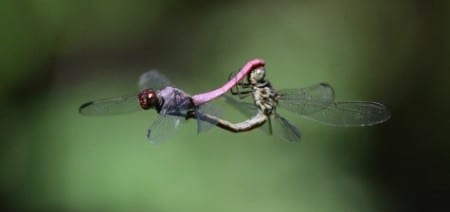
x,y
55,55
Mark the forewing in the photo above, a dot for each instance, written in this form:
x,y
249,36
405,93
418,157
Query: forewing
x,y
111,106
308,100
153,80
352,114
247,109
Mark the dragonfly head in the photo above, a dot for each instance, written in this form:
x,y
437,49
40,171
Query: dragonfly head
x,y
257,75
148,99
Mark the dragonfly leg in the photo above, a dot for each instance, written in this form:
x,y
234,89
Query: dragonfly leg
x,y
270,125
235,89
237,83
192,111
244,94
191,115
241,94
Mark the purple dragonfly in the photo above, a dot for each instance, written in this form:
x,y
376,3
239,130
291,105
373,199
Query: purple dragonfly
x,y
172,104
315,102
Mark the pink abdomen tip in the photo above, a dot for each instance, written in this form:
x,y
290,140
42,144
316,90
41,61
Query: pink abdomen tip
x,y
252,64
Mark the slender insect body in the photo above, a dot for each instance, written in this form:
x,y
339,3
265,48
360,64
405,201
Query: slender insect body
x,y
265,97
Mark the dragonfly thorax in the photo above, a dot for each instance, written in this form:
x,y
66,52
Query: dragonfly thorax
x,y
266,98
174,101
149,99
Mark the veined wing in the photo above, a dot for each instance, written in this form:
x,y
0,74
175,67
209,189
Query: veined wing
x,y
209,109
352,114
111,106
163,128
247,109
308,100
282,128
153,80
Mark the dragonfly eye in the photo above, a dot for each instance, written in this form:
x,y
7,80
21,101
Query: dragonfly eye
x,y
148,99
257,74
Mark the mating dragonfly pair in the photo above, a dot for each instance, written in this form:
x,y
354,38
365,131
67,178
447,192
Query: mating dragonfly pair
x,y
174,106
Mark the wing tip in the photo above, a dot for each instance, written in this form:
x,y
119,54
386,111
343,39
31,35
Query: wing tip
x,y
83,106
325,84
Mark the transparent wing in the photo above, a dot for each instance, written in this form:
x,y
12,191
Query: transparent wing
x,y
163,127
154,80
352,114
111,106
307,100
210,109
247,109
282,128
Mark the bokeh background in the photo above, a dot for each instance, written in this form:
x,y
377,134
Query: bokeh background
x,y
55,55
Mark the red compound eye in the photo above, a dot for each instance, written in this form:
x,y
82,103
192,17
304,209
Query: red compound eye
x,y
148,99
